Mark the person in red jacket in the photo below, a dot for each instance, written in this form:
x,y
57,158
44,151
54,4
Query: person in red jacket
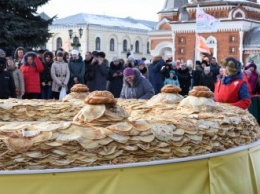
x,y
232,89
31,69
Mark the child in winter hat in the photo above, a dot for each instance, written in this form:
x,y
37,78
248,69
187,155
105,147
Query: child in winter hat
x,y
173,79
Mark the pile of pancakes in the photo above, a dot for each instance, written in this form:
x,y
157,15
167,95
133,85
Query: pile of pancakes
x,y
114,131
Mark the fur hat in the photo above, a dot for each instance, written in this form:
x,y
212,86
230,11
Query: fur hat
x,y
128,71
115,58
130,58
231,65
75,52
59,54
2,52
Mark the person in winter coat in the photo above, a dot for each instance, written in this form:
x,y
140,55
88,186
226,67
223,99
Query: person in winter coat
x,y
130,62
98,71
115,77
60,75
197,73
173,79
18,56
246,75
214,68
45,75
18,77
87,61
165,71
6,82
253,77
135,85
155,76
232,89
184,79
77,69
207,79
143,69
90,64
31,69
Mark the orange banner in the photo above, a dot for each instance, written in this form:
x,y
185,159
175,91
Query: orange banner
x,y
202,45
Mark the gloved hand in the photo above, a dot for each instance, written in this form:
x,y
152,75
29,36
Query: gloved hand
x,y
43,84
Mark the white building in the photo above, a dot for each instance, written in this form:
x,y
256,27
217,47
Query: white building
x,y
112,35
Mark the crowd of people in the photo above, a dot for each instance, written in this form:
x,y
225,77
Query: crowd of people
x,y
43,74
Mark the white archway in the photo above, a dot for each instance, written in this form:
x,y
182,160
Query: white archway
x,y
213,43
164,48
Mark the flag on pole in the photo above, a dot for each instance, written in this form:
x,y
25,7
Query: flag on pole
x,y
202,45
205,22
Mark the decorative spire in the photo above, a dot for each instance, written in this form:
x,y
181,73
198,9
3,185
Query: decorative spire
x,y
171,5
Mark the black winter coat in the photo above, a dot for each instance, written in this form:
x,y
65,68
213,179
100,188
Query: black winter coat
x,y
207,80
185,81
215,70
115,84
45,75
7,86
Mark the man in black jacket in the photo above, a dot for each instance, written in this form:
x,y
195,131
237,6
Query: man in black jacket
x,y
6,82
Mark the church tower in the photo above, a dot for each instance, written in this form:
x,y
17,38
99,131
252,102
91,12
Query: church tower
x,y
171,8
171,5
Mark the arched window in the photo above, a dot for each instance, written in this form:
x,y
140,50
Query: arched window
x,y
58,43
125,45
238,15
97,44
148,47
137,49
112,44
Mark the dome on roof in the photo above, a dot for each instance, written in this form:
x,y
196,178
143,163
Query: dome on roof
x,y
170,5
252,39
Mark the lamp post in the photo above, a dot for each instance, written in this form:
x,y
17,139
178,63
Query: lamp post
x,y
75,41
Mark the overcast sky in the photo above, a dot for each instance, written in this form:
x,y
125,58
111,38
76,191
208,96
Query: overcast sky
x,y
138,9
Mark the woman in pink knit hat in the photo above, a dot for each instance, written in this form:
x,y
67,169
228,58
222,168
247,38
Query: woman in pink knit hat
x,y
135,85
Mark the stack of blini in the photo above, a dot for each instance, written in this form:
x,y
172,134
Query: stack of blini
x,y
78,92
101,134
38,110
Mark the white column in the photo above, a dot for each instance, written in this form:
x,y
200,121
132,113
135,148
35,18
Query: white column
x,y
216,50
241,38
144,50
49,45
173,46
119,49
